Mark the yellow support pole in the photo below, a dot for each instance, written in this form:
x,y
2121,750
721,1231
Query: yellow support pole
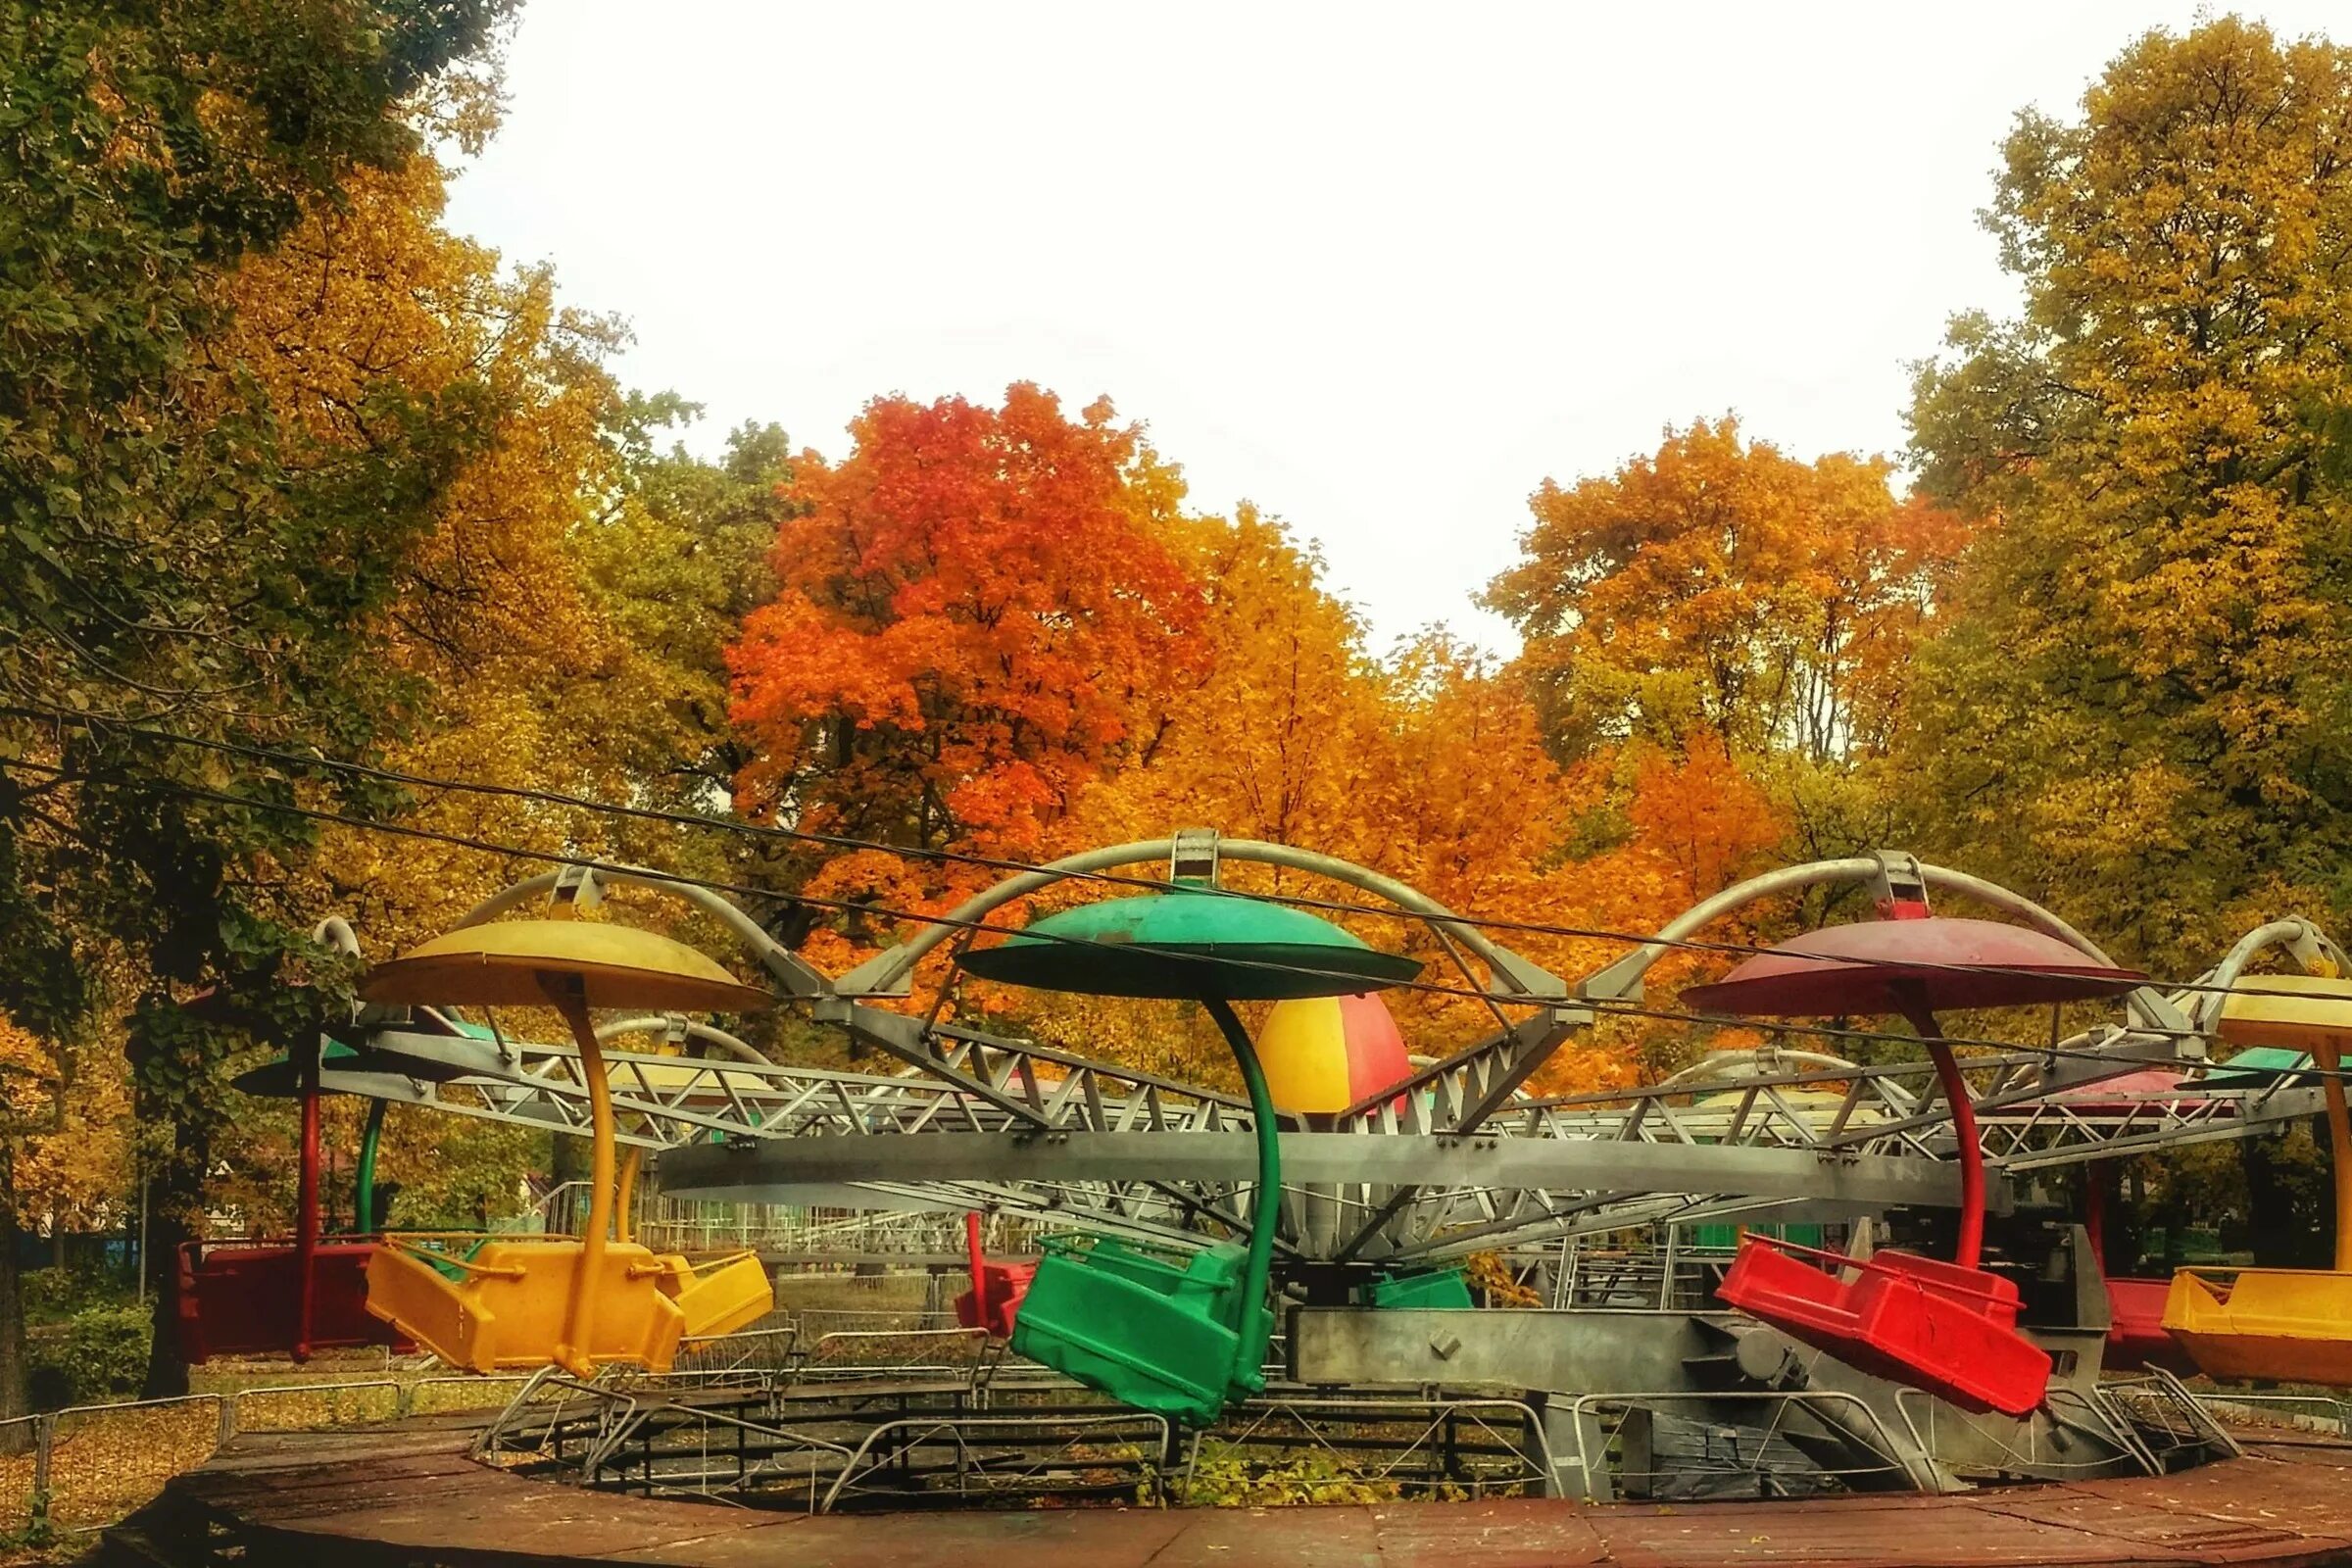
x,y
2340,1142
626,1205
579,1313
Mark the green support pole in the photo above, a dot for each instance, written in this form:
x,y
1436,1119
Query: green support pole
x,y
1266,1213
362,1198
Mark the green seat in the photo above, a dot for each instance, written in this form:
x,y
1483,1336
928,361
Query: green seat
x,y
1433,1288
1725,1238
1149,1331
451,1265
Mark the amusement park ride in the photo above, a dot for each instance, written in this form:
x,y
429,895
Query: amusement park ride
x,y
1328,1207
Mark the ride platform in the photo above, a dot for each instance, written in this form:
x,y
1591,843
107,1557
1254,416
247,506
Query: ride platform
x,y
408,1492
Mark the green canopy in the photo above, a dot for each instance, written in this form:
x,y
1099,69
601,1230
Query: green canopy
x,y
1190,943
1118,1323
2255,1065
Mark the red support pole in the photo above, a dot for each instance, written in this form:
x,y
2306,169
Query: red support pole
x,y
306,1231
2094,1211
971,1246
1971,1154
1913,1003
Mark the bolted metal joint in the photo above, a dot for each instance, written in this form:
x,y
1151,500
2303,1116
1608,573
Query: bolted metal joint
x,y
1193,857
1899,889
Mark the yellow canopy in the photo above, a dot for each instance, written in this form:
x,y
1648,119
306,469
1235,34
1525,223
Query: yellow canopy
x,y
572,966
500,964
2297,1012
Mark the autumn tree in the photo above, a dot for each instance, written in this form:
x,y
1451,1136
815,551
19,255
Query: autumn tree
x,y
36,1091
1721,586
1280,734
558,627
975,615
171,552
678,558
2138,710
508,668
1277,739
1428,767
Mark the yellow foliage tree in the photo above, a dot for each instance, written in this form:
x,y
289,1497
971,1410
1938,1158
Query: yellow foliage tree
x,y
2137,714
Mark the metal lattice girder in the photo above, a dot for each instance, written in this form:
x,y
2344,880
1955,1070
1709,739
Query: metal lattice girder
x,y
1457,1159
1109,1148
665,1101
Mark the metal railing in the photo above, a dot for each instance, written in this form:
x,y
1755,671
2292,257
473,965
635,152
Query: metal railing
x,y
1082,1455
2167,1411
2125,1445
676,1224
87,1465
83,1467
2338,1416
1594,1470
968,1355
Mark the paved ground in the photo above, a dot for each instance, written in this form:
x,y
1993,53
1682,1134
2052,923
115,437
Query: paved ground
x,y
408,1495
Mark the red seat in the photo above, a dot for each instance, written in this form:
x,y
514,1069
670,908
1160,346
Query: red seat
x,y
2136,1336
1949,1330
245,1299
995,1301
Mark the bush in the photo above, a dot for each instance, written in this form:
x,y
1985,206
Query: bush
x,y
100,1355
54,1295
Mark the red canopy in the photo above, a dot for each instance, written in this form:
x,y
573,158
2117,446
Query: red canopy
x,y
1906,966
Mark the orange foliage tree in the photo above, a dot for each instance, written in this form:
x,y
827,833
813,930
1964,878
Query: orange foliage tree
x,y
1429,767
1718,638
976,614
1721,585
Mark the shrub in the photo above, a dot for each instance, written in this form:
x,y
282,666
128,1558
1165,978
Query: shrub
x,y
101,1354
54,1295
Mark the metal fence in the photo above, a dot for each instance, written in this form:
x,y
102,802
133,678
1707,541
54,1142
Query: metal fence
x,y
86,1466
83,1467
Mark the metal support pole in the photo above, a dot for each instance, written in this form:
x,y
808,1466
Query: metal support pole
x,y
306,1208
2094,1211
1265,1212
571,1351
362,1193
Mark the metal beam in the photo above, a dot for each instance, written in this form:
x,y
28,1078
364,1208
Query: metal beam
x,y
1315,1159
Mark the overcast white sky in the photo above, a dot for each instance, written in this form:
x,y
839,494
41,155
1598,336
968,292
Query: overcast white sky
x,y
1378,269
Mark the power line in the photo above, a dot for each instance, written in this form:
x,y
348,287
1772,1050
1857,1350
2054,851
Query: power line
x,y
1599,1006
1302,900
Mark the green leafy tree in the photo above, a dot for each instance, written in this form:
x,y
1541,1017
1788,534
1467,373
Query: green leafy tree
x,y
2138,713
171,547
678,558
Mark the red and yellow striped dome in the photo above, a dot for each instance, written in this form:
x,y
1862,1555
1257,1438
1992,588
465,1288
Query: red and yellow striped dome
x,y
1325,1054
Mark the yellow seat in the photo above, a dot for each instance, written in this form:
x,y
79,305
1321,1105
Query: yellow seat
x,y
719,1296
507,1309
2281,1324
577,1304
2277,1324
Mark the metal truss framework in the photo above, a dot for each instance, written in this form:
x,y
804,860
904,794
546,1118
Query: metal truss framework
x,y
1457,1159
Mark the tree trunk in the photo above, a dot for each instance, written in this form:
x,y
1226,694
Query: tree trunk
x,y
2283,1226
16,1395
175,1215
